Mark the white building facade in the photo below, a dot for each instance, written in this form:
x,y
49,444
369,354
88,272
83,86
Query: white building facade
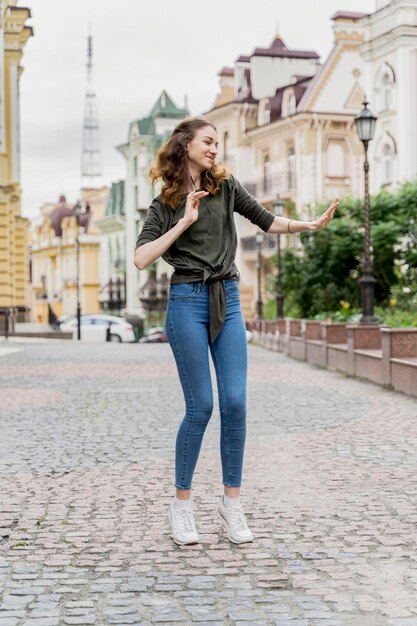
x,y
390,55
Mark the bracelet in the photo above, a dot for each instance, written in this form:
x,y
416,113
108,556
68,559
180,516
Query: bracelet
x,y
288,226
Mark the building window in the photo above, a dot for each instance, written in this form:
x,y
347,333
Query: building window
x,y
135,166
384,87
136,197
387,164
291,168
386,92
110,252
226,146
267,113
267,182
291,104
336,159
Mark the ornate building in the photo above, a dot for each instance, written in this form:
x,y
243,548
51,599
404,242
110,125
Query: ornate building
x,y
286,122
54,243
14,34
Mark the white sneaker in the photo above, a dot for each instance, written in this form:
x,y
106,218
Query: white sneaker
x,y
183,527
235,521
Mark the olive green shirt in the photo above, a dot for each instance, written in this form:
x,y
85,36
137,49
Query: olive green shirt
x,y
206,250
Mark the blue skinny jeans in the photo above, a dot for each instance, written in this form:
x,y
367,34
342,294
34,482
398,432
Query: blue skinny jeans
x,y
188,333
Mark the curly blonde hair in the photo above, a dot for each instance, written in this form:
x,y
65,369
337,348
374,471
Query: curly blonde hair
x,y
171,163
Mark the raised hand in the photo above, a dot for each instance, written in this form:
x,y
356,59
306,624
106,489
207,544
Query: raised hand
x,y
326,217
192,204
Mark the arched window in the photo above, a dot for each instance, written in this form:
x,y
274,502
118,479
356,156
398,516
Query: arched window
x,y
384,86
291,168
267,173
387,164
226,146
386,92
117,255
110,252
267,113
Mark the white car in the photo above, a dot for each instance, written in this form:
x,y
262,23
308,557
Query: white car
x,y
120,329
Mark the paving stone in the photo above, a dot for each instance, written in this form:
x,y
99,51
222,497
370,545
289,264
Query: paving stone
x,y
83,489
41,621
204,613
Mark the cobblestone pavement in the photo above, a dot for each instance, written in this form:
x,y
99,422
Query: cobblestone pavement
x,y
86,467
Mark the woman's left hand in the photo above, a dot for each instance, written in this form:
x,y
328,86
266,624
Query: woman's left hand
x,y
327,216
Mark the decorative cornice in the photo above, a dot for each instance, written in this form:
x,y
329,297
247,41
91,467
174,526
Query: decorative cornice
x,y
111,223
300,120
320,81
388,41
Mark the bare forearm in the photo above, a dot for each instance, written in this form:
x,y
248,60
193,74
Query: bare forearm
x,y
283,226
151,251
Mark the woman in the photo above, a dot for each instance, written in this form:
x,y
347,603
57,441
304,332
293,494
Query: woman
x,y
190,224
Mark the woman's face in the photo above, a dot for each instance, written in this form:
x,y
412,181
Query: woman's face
x,y
203,148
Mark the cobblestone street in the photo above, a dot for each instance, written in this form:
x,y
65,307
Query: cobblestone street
x,y
86,472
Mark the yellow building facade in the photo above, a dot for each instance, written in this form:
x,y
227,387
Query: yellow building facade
x,y
14,279
54,257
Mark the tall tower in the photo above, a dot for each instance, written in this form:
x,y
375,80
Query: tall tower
x,y
91,156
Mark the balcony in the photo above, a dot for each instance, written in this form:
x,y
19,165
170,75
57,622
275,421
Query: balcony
x,y
249,248
267,188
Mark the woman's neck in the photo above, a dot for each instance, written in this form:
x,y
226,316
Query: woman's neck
x,y
195,177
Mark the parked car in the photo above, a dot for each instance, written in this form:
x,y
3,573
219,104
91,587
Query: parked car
x,y
65,318
157,334
120,329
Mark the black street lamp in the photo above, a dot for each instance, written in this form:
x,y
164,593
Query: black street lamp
x,y
77,213
365,125
279,211
259,305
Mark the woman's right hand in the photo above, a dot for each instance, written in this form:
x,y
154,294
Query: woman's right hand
x,y
191,206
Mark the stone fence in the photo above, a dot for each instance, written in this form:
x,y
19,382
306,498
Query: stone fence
x,y
387,356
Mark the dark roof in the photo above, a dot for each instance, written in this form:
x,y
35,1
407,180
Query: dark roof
x,y
353,15
275,103
85,217
245,95
226,71
244,58
279,49
63,210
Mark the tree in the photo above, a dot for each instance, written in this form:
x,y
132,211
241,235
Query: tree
x,y
325,269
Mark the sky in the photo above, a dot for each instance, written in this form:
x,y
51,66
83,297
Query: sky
x,y
140,47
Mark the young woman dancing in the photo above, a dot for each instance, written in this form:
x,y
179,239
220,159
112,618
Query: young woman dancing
x,y
191,225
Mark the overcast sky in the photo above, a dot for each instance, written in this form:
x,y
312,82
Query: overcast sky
x,y
140,48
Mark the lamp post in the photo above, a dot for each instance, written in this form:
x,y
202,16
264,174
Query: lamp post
x,y
259,305
77,213
365,125
279,211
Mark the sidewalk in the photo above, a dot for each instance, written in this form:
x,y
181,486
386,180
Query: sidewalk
x,y
86,471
